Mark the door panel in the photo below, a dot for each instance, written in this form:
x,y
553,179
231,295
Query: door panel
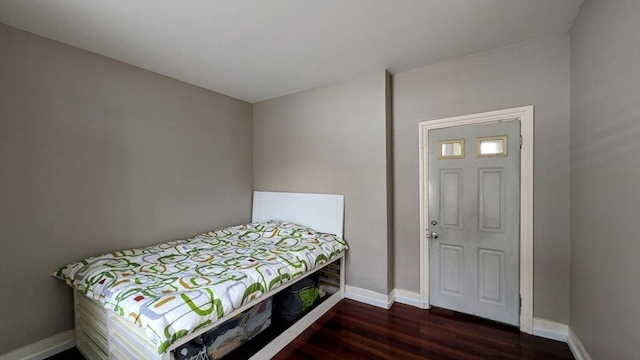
x,y
474,203
451,197
491,197
452,272
491,276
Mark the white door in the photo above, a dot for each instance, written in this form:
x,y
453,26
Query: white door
x,y
474,212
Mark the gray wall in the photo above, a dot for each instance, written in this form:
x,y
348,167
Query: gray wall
x,y
97,156
332,139
605,179
530,73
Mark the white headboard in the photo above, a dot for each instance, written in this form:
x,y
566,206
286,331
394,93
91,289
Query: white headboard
x,y
321,212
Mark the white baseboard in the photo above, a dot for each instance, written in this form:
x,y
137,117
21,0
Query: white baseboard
x,y
550,329
384,301
561,332
44,348
368,296
578,351
409,298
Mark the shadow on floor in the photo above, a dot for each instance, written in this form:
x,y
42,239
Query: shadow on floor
x,y
71,354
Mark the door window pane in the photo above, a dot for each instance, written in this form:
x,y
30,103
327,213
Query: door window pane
x,y
451,149
492,146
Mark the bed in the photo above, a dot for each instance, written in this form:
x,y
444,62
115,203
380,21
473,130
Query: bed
x,y
145,303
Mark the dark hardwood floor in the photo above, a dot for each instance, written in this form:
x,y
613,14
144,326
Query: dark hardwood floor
x,y
352,330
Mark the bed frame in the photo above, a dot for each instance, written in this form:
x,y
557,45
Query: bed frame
x,y
102,334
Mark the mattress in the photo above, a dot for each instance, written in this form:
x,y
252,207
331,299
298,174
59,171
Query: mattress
x,y
175,288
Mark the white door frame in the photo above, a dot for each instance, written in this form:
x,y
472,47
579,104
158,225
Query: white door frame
x,y
525,116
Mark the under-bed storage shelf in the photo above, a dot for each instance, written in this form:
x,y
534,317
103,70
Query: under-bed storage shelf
x,y
330,278
254,348
101,334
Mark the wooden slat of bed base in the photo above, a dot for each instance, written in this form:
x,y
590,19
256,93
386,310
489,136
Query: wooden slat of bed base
x,y
91,328
130,339
91,318
94,335
128,342
88,349
93,308
115,354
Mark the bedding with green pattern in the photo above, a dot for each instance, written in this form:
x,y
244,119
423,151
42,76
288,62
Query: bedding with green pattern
x,y
175,288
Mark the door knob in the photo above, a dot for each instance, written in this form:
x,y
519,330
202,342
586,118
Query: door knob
x,y
434,235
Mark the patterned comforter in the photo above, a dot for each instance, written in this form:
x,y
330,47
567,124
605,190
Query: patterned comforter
x,y
175,288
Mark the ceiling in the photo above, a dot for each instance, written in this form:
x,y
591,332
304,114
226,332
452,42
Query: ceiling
x,y
257,50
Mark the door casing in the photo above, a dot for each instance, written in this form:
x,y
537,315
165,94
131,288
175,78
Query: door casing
x,y
525,116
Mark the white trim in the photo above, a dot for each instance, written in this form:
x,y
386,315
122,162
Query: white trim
x,y
525,116
408,298
550,329
576,347
44,348
369,297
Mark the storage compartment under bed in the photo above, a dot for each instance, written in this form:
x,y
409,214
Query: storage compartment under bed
x,y
329,284
104,335
235,338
